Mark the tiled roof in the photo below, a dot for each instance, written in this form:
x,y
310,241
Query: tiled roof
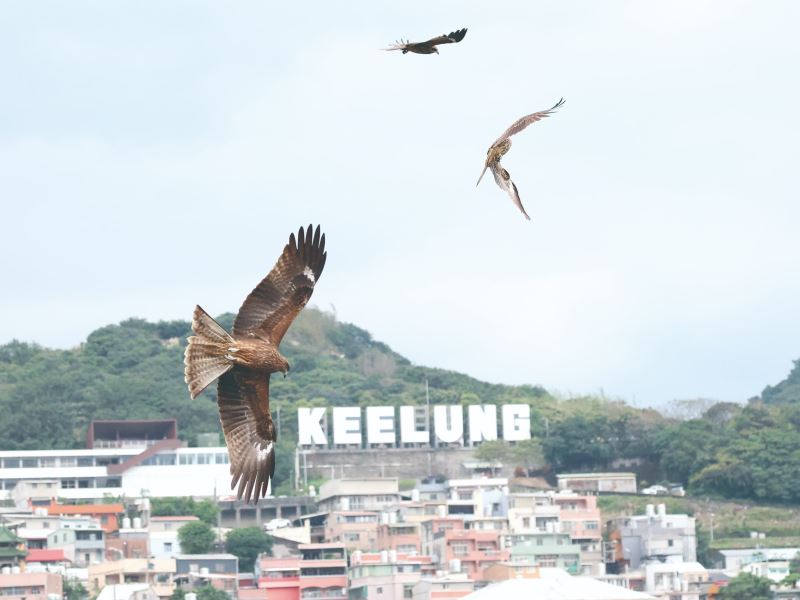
x,y
85,509
44,555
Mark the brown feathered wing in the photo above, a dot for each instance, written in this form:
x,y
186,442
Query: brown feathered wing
x,y
523,122
278,299
243,400
503,179
451,38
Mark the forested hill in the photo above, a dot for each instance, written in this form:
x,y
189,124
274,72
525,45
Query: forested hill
x,y
134,370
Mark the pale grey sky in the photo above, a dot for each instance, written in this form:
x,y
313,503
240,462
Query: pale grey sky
x,y
663,254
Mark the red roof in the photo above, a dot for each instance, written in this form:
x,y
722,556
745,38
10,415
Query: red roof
x,y
43,555
85,509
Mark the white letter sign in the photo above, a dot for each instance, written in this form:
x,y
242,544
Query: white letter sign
x,y
516,422
380,424
347,425
482,422
309,426
453,431
409,434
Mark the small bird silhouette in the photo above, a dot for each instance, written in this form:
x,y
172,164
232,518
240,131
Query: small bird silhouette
x,y
502,145
428,47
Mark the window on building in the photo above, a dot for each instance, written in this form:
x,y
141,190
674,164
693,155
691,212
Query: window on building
x,y
11,463
85,461
351,537
67,483
670,543
49,461
592,525
526,522
379,590
83,483
167,546
460,549
408,591
30,463
221,458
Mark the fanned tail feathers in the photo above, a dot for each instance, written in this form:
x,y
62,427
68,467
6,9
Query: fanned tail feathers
x,y
205,356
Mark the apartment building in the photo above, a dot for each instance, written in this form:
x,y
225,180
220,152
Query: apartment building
x,y
598,482
367,494
386,575
547,550
31,586
319,571
355,529
163,534
157,572
403,537
218,570
654,536
122,458
468,551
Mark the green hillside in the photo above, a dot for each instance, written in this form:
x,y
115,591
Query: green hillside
x,y
134,370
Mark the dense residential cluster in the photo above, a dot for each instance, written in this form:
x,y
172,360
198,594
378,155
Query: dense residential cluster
x,y
75,526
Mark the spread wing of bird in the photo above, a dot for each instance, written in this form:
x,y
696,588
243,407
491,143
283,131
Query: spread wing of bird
x,y
503,179
523,122
243,400
278,299
427,46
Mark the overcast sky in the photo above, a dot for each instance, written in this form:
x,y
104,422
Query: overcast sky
x,y
157,155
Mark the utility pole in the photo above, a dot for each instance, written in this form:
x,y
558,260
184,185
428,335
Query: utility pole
x,y
711,533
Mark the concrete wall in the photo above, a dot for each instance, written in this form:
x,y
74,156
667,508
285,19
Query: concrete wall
x,y
403,463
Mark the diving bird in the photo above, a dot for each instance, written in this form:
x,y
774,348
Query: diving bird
x,y
502,145
244,360
429,47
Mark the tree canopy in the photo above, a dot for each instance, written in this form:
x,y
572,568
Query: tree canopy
x,y
196,537
247,543
747,587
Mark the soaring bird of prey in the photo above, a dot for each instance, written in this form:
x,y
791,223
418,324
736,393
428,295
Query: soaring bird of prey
x,y
429,47
244,361
502,145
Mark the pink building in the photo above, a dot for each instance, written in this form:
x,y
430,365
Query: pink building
x,y
279,577
319,572
430,528
403,538
356,530
386,575
30,586
468,551
581,519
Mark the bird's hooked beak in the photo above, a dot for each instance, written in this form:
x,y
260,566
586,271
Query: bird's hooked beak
x,y
286,371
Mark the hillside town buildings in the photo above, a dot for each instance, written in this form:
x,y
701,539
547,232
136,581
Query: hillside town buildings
x,y
358,537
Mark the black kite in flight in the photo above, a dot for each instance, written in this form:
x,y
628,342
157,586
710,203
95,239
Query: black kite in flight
x,y
502,145
244,361
429,47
